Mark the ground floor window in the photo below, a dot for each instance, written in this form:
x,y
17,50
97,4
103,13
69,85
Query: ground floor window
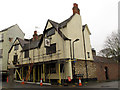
x,y
52,68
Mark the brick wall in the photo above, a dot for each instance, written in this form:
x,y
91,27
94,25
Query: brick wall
x,y
112,71
97,70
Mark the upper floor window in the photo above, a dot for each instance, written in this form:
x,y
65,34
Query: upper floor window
x,y
51,49
1,53
15,59
26,55
16,47
88,53
50,32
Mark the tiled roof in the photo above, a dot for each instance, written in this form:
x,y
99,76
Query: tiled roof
x,y
64,23
27,44
31,45
22,42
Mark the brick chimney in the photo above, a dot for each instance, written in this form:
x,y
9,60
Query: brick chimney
x,y
75,9
35,36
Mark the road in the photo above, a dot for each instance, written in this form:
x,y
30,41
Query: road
x,y
112,84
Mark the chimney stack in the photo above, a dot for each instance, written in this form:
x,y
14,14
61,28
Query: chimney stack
x,y
75,9
35,36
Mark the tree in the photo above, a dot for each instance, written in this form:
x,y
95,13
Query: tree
x,y
112,47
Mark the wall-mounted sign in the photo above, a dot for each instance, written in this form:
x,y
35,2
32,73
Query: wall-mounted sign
x,y
47,42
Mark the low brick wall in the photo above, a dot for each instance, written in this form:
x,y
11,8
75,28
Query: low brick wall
x,y
97,70
112,71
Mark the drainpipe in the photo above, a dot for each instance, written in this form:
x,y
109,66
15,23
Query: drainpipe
x,y
85,56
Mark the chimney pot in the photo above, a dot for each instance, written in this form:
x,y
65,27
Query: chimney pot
x,y
75,5
76,9
35,36
35,32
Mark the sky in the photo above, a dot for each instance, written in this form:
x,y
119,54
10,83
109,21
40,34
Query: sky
x,y
101,16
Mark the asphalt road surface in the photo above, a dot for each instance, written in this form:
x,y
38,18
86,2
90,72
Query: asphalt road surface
x,y
111,84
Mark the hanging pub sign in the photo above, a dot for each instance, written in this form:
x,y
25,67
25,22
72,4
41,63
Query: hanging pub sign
x,y
47,42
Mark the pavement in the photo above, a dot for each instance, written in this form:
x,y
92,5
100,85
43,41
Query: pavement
x,y
90,84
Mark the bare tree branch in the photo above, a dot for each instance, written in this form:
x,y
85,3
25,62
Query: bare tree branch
x,y
112,47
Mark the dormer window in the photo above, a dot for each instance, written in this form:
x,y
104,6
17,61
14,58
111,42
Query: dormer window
x,y
16,47
50,32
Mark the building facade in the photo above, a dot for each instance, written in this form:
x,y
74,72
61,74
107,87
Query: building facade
x,y
56,53
7,37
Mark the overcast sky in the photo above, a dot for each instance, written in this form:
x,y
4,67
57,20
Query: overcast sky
x,y
100,15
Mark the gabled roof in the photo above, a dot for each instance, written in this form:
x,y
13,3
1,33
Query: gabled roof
x,y
86,26
54,24
62,24
27,44
21,42
58,26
